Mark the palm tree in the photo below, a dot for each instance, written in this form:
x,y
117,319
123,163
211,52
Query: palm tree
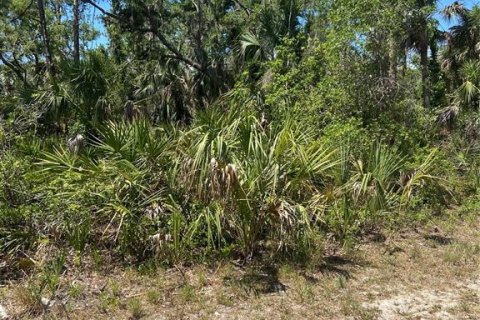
x,y
461,61
275,21
419,33
252,47
463,39
468,93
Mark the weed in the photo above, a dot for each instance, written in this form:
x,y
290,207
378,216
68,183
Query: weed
x,y
187,293
115,288
202,279
75,290
351,307
108,301
305,291
136,308
97,259
30,297
342,281
416,253
154,296
455,254
225,299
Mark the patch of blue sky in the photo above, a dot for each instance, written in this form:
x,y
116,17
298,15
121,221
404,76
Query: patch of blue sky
x,y
102,40
95,18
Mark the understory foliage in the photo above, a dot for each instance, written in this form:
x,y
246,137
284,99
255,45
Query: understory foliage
x,y
225,180
232,129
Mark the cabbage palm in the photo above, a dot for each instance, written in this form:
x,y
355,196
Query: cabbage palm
x,y
463,39
462,53
275,21
468,94
419,31
253,48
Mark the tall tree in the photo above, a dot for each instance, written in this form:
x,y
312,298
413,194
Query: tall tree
x,y
45,36
419,34
213,30
76,30
393,47
463,39
462,54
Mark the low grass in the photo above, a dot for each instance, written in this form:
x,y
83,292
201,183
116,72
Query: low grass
x,y
370,284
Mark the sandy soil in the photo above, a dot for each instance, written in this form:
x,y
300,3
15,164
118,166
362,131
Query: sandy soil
x,y
431,272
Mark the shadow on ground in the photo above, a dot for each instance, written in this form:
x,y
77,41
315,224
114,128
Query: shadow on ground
x,y
264,278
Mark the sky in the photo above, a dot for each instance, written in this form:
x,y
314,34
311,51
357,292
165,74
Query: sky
x,y
444,25
95,16
103,38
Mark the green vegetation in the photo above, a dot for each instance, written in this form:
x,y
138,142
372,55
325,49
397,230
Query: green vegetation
x,y
210,130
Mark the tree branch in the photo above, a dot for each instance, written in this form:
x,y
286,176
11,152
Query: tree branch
x,y
22,13
155,30
103,11
18,73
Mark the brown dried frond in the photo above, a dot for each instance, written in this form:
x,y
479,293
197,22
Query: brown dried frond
x,y
447,117
222,178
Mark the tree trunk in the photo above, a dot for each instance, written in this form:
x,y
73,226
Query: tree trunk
x,y
424,70
45,36
114,34
404,59
76,30
392,59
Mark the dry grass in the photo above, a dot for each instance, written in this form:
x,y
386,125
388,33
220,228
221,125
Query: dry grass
x,y
427,273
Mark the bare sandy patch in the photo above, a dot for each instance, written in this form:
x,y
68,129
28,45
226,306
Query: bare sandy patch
x,y
426,303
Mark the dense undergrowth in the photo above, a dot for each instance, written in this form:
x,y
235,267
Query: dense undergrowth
x,y
310,138
226,183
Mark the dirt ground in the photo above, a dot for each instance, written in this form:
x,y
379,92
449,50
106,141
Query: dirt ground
x,y
432,272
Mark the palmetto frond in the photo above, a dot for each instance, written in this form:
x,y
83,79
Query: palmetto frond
x,y
374,181
456,9
251,47
469,90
